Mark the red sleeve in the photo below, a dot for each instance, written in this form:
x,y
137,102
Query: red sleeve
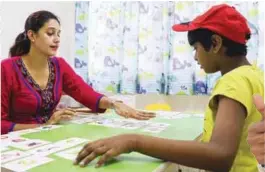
x,y
6,124
76,87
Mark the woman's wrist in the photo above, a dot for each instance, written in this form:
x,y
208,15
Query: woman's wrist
x,y
113,103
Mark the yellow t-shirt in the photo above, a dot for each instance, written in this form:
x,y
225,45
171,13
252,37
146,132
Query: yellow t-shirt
x,y
239,84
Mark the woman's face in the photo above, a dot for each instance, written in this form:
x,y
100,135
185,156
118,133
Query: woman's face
x,y
47,39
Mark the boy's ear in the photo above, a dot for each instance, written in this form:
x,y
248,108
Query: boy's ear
x,y
217,43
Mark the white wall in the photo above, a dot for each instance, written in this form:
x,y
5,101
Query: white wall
x,y
14,14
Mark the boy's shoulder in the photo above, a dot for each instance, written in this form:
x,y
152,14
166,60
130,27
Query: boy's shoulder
x,y
248,72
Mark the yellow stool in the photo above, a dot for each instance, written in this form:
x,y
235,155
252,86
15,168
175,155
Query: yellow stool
x,y
158,107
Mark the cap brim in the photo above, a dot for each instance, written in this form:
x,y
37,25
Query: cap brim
x,y
183,27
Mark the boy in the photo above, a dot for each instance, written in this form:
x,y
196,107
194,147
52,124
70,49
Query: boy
x,y
219,37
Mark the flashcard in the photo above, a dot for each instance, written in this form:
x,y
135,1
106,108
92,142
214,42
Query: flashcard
x,y
12,155
30,144
27,163
70,154
13,140
4,148
71,142
47,149
7,139
57,146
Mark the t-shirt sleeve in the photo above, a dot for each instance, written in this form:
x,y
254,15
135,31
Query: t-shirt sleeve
x,y
236,88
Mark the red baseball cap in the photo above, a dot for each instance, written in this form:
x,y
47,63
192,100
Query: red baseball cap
x,y
222,19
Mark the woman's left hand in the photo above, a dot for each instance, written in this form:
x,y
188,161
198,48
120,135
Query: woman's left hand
x,y
128,112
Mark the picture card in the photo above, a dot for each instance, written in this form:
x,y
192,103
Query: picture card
x,y
4,148
57,146
70,142
30,144
9,140
27,163
12,155
70,154
47,149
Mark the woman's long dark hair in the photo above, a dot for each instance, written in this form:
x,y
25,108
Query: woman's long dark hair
x,y
34,22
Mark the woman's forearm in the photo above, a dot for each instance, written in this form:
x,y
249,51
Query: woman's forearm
x,y
25,126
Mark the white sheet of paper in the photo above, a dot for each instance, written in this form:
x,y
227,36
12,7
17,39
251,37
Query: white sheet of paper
x,y
12,155
27,163
70,153
30,144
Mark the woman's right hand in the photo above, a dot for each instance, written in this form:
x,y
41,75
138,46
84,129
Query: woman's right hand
x,y
59,115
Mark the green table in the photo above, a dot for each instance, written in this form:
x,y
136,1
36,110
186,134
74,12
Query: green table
x,y
187,128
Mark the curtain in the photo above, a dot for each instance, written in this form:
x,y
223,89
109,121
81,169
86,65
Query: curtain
x,y
129,47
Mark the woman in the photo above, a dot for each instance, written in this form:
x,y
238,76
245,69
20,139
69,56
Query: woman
x,y
33,80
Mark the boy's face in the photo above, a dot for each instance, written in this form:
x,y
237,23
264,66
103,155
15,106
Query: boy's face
x,y
206,59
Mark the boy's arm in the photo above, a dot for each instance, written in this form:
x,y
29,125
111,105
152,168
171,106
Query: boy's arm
x,y
217,155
